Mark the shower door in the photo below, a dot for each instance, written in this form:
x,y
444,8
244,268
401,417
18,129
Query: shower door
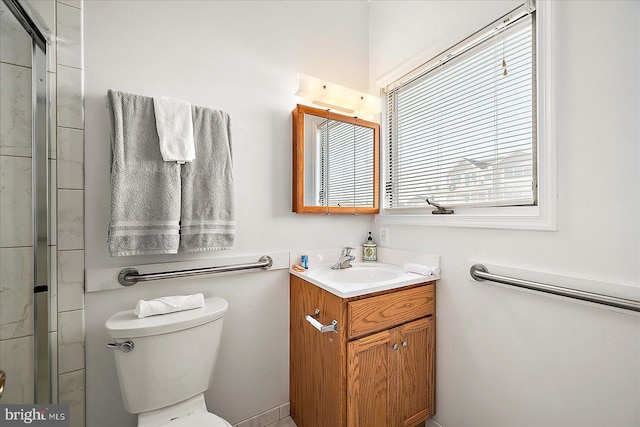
x,y
24,270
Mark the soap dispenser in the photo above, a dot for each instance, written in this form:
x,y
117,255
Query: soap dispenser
x,y
369,250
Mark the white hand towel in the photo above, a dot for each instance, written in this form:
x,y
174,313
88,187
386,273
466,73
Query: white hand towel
x,y
175,129
166,305
425,270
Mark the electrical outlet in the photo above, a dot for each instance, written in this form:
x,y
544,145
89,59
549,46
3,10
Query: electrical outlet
x,y
384,236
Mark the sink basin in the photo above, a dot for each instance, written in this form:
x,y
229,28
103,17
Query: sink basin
x,y
361,279
359,274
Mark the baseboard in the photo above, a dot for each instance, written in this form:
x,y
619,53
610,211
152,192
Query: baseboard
x,y
267,417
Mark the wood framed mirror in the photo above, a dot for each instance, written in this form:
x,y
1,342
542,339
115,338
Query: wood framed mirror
x,y
336,163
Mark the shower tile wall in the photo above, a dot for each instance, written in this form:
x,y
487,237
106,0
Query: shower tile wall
x,y
69,135
16,236
66,205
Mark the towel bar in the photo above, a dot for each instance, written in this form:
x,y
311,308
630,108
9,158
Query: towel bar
x,y
333,327
480,273
131,276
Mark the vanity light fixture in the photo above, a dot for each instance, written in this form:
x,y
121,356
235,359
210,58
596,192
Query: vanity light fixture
x,y
336,97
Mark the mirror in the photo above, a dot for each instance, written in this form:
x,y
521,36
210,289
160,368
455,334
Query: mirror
x,y
335,163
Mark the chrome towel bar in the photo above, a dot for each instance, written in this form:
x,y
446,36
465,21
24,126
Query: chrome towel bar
x,y
480,273
131,276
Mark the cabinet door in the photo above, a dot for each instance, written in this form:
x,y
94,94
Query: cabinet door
x,y
416,395
372,380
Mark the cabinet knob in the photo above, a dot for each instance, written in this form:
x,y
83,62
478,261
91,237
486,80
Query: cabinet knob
x,y
405,345
395,347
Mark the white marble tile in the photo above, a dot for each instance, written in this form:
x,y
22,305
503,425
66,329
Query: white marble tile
x,y
52,57
264,419
53,289
70,280
16,359
74,3
15,42
53,128
70,158
15,104
70,341
70,107
53,368
16,228
47,11
71,392
70,219
53,202
16,292
69,37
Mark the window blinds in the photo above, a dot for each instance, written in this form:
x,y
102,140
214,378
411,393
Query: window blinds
x,y
346,168
464,133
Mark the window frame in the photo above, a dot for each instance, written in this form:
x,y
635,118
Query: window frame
x,y
542,216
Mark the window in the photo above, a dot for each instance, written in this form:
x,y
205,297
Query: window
x,y
463,130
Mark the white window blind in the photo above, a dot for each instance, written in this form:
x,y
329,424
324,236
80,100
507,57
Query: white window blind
x,y
346,164
463,133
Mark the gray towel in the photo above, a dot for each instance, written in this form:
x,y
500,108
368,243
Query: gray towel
x,y
145,190
208,195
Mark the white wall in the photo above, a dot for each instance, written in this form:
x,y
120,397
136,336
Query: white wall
x,y
511,358
240,57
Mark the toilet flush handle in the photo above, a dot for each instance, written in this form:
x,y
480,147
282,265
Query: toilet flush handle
x,y
126,346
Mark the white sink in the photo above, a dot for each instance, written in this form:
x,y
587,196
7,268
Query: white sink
x,y
358,273
362,278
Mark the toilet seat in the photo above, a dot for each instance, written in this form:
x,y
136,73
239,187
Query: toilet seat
x,y
199,419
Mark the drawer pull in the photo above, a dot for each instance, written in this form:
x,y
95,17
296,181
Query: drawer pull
x,y
333,327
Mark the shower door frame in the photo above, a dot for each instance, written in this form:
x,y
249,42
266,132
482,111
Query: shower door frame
x,y
40,202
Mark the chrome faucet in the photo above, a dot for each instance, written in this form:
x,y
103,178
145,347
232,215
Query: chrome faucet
x,y
345,259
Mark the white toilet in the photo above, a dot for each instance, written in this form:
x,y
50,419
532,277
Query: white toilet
x,y
165,363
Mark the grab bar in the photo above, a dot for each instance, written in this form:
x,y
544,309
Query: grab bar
x,y
480,273
333,327
131,276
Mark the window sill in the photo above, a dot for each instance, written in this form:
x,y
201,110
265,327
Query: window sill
x,y
508,218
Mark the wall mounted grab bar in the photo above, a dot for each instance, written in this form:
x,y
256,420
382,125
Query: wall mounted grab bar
x,y
131,276
480,273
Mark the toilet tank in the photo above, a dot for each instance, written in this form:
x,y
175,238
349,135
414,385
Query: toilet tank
x,y
173,357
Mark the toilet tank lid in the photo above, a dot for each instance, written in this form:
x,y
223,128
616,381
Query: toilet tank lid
x,y
125,324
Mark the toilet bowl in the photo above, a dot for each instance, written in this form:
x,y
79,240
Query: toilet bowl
x,y
165,363
192,413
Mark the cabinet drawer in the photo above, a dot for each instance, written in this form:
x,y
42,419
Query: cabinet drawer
x,y
385,311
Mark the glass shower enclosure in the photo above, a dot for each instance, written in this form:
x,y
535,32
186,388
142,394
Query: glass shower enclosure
x,y
25,361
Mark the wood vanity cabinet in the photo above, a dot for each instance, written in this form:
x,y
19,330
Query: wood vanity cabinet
x,y
377,370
